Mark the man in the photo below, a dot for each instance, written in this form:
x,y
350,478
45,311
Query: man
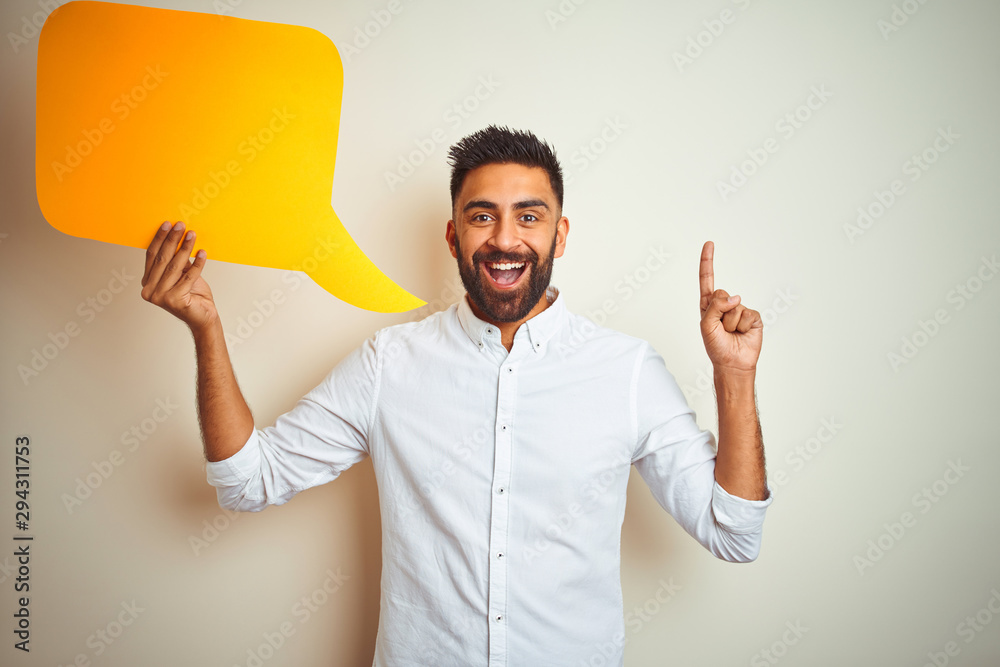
x,y
501,430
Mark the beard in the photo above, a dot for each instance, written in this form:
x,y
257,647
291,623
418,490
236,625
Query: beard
x,y
508,305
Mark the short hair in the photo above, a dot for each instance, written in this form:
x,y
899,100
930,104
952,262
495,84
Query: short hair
x,y
501,145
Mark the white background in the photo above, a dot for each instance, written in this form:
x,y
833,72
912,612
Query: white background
x,y
860,590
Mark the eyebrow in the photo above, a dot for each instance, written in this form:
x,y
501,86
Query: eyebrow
x,y
484,203
531,203
480,203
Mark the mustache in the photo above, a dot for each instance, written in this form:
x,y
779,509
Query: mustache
x,y
530,257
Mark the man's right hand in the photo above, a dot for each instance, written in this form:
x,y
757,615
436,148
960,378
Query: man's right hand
x,y
174,283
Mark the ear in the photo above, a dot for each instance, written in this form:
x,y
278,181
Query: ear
x,y
449,236
562,231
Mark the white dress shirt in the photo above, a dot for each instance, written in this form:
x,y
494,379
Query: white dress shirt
x,y
501,480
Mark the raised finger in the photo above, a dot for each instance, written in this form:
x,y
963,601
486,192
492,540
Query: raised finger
x,y
706,273
153,249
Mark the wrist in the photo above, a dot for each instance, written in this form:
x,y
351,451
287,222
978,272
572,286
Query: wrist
x,y
207,333
734,386
731,375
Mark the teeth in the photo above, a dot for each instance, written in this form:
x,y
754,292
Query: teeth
x,y
505,267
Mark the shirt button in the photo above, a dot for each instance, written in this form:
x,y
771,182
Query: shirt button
x,y
503,428
489,330
510,369
500,490
480,343
498,618
500,555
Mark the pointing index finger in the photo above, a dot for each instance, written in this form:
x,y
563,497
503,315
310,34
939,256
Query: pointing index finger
x,y
706,273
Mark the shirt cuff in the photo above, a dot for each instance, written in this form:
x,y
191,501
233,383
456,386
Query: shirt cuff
x,y
739,515
238,468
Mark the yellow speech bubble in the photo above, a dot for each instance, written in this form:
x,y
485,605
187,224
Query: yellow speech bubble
x,y
145,115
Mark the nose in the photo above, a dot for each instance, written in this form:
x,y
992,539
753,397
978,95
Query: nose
x,y
506,234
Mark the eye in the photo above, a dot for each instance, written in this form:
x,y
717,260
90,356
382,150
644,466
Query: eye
x,y
528,217
481,217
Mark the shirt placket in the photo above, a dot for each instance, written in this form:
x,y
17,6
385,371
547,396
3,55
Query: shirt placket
x,y
504,430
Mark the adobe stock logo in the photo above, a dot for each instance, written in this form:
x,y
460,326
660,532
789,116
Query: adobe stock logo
x,y
779,648
959,296
914,167
924,501
133,439
121,107
59,340
968,629
786,127
703,40
408,163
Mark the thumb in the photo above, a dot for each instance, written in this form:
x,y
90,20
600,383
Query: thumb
x,y
719,304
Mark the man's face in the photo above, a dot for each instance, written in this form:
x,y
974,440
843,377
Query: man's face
x,y
506,230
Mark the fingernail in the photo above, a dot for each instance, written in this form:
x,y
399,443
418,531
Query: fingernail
x,y
179,225
201,254
165,226
734,298
189,236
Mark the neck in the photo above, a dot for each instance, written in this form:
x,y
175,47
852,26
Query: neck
x,y
508,329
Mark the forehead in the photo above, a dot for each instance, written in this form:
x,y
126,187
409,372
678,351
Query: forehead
x,y
506,184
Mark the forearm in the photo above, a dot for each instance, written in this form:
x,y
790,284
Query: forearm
x,y
739,466
226,421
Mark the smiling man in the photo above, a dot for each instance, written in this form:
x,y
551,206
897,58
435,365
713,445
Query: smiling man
x,y
510,220
501,432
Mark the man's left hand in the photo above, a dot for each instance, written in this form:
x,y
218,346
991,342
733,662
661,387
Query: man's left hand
x,y
732,332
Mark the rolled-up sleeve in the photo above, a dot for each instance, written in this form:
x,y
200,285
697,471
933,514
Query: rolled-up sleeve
x,y
677,460
321,437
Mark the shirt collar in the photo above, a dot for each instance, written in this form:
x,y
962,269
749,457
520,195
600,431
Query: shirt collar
x,y
539,328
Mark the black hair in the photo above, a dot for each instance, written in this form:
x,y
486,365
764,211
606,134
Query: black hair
x,y
501,145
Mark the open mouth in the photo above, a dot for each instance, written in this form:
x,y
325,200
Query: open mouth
x,y
505,274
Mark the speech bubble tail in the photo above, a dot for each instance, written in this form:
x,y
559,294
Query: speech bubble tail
x,y
340,267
